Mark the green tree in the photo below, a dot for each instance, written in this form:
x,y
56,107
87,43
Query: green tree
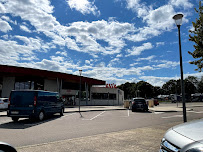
x,y
145,89
129,89
196,36
200,86
170,87
192,88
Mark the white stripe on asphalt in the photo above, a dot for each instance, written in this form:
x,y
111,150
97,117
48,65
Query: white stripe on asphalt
x,y
158,112
173,116
97,115
196,111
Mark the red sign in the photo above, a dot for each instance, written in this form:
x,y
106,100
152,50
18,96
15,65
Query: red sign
x,y
111,85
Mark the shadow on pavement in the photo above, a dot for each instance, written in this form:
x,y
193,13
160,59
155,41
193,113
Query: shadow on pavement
x,y
26,123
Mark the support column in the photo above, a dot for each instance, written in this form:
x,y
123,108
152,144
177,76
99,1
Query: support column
x,y
8,86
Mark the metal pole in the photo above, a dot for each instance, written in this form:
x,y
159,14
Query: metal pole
x,y
80,94
182,81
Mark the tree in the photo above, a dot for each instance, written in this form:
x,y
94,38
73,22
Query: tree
x,y
170,87
194,81
129,89
197,38
145,89
200,86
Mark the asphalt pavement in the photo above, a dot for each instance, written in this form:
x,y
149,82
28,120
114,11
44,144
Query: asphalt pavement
x,y
139,139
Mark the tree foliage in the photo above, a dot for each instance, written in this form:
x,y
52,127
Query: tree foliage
x,y
146,90
196,36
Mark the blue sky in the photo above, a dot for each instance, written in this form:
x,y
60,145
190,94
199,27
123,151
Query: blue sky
x,y
113,40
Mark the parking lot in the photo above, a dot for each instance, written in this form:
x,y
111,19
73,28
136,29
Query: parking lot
x,y
96,130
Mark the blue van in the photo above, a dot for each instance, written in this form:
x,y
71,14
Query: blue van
x,y
34,104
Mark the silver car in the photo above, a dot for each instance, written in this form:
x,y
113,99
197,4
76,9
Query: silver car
x,y
187,137
3,103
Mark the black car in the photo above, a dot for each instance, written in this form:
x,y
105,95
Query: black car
x,y
138,104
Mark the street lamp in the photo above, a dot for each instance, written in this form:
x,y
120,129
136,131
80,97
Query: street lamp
x,y
80,71
178,21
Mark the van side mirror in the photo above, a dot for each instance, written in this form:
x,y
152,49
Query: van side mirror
x,y
4,147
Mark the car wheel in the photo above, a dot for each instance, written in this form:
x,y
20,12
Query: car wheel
x,y
41,116
61,112
15,119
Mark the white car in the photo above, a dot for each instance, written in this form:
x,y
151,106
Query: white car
x,y
187,137
3,103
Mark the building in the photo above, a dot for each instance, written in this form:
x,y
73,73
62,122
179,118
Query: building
x,y
20,78
103,95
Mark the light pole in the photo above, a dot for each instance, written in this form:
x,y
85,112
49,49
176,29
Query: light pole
x,y
80,71
178,21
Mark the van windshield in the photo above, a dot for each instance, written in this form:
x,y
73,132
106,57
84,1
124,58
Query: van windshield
x,y
22,98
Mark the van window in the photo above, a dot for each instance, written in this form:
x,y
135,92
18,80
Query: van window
x,y
48,96
22,98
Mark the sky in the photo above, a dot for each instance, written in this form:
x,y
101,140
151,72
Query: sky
x,y
117,41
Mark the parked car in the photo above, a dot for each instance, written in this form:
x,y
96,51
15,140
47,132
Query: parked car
x,y
4,147
34,104
156,102
187,137
3,103
138,104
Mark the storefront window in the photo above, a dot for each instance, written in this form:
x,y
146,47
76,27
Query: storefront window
x,y
104,96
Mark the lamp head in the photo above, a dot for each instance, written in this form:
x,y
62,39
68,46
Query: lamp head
x,y
80,71
178,19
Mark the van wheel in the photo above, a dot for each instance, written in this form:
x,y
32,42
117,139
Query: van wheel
x,y
41,116
61,112
15,119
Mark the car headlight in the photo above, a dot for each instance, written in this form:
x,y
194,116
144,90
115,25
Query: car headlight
x,y
198,149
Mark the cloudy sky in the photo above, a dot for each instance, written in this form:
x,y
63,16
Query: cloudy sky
x,y
113,40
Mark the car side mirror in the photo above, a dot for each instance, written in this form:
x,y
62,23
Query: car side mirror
x,y
4,147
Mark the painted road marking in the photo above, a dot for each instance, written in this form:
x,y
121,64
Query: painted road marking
x,y
196,111
95,116
158,112
173,116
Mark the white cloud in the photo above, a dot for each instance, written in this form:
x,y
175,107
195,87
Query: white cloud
x,y
166,64
83,6
147,58
87,62
62,53
133,64
181,3
157,81
138,7
25,28
159,44
4,26
138,50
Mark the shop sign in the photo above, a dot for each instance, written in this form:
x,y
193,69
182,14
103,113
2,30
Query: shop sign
x,y
111,85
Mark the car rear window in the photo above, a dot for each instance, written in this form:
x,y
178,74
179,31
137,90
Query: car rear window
x,y
5,100
22,98
139,100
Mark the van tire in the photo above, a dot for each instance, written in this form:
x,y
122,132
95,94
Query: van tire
x,y
41,116
62,111
15,119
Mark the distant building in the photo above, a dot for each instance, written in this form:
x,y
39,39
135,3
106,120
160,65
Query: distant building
x,y
20,78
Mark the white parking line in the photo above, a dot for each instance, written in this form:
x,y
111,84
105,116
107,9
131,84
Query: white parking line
x,y
128,112
97,115
173,116
196,111
158,112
